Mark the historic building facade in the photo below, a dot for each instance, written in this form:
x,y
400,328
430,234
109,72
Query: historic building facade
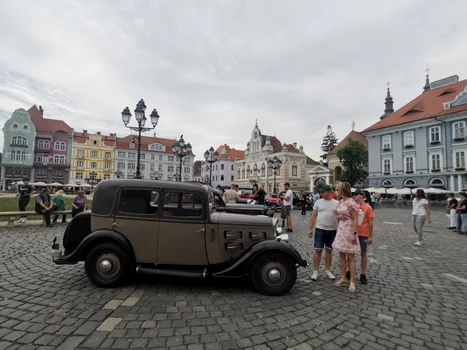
x,y
254,167
19,134
52,151
197,177
222,172
157,160
424,143
92,157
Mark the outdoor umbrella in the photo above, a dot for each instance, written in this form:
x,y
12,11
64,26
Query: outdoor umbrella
x,y
40,183
55,184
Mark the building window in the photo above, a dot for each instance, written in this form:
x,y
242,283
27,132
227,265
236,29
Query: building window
x,y
152,166
171,158
106,177
131,155
294,170
108,155
59,159
153,157
387,166
386,142
387,183
459,160
161,158
121,154
131,166
435,134
409,163
80,164
80,153
93,165
160,167
142,167
107,166
42,158
60,146
232,167
411,183
15,126
458,130
222,166
79,176
25,128
94,154
187,170
43,144
435,162
263,170
222,177
19,141
231,178
143,156
170,169
408,139
243,173
120,165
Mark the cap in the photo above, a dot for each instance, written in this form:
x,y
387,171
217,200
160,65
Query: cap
x,y
324,188
358,192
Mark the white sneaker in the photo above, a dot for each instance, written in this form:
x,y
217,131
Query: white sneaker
x,y
314,276
24,220
20,221
329,275
418,243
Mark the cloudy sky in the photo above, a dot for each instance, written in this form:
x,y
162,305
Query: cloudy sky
x,y
212,67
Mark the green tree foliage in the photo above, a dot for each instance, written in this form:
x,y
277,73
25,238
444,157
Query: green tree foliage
x,y
354,158
329,142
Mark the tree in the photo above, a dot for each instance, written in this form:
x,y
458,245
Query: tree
x,y
329,142
354,158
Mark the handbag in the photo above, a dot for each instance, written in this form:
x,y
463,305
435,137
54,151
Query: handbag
x,y
361,216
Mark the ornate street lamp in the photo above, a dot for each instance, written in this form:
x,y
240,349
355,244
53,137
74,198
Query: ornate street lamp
x,y
92,179
141,120
181,150
274,164
211,157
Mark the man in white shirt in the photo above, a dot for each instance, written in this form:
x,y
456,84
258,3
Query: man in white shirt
x,y
287,198
325,217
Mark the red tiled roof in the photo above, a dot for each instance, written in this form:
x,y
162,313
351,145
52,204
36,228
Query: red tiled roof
x,y
82,137
355,136
231,153
124,143
275,143
427,105
47,125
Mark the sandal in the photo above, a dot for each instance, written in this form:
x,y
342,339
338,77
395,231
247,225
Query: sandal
x,y
352,287
341,282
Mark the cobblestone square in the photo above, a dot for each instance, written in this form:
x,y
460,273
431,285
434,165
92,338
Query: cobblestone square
x,y
415,299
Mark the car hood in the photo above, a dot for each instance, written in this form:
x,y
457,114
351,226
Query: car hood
x,y
242,219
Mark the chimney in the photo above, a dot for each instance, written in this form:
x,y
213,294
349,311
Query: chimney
x,y
295,145
85,131
41,110
98,133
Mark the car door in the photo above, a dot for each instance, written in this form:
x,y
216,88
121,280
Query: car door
x,y
182,230
137,218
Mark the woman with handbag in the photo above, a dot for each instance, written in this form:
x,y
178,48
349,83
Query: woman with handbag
x,y
346,242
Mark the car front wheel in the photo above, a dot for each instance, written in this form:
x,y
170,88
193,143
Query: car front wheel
x,y
107,265
273,273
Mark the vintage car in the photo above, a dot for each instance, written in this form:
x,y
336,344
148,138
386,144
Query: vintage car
x,y
172,228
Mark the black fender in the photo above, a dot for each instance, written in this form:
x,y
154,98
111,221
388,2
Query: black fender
x,y
79,254
242,265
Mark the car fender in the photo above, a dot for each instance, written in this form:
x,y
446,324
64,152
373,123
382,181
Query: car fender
x,y
79,254
242,265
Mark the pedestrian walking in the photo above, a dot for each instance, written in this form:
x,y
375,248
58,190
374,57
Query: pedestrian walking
x,y
44,205
420,213
462,214
231,196
260,195
346,242
452,212
325,217
59,204
24,192
287,199
303,200
79,204
365,232
373,201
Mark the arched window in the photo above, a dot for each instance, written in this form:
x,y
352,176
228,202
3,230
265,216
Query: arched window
x,y
255,170
263,170
222,166
436,182
248,171
387,183
410,183
337,173
15,126
243,173
23,155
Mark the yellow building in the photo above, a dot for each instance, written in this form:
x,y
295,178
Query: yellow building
x,y
92,157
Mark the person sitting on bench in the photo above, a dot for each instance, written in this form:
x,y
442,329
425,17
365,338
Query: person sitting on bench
x,y
44,205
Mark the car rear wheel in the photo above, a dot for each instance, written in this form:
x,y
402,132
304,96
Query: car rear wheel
x,y
273,273
107,265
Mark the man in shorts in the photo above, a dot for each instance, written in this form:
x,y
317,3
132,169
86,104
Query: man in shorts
x,y
325,217
287,199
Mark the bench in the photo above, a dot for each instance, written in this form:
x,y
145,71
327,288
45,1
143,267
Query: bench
x,y
15,215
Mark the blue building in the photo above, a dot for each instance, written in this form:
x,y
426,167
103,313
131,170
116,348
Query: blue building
x,y
424,143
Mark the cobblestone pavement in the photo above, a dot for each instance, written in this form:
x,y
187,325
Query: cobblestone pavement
x,y
415,299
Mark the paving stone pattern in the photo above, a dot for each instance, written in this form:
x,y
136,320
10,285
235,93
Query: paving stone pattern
x,y
412,301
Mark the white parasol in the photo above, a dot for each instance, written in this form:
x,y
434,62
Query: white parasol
x,y
40,183
55,184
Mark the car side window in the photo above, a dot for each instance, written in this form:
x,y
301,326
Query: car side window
x,y
138,201
183,204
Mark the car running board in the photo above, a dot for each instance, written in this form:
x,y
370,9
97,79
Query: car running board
x,y
173,271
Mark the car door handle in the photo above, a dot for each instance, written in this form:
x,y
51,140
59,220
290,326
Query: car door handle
x,y
115,224
201,230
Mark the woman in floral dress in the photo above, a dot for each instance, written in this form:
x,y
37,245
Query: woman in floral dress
x,y
346,241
